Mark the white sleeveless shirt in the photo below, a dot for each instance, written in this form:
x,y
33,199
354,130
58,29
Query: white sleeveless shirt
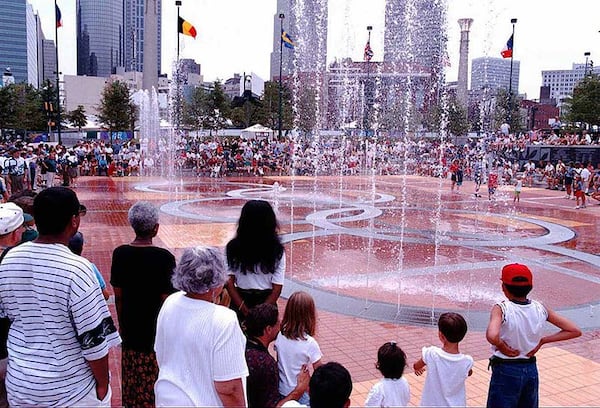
x,y
522,326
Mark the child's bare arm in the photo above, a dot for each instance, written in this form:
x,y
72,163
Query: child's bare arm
x,y
492,333
419,367
568,330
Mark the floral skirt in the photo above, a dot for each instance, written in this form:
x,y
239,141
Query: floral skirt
x,y
139,372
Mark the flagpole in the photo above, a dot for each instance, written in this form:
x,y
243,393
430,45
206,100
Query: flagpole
x,y
367,107
281,17
57,74
178,100
510,101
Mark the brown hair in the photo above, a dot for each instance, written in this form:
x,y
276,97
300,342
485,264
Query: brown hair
x,y
300,317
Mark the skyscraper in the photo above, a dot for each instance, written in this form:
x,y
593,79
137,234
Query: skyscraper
x,y
415,34
133,37
13,31
306,23
100,34
493,74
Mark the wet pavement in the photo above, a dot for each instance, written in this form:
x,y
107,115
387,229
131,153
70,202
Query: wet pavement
x,y
384,256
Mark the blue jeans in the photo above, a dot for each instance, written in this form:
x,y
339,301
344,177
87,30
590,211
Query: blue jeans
x,y
513,385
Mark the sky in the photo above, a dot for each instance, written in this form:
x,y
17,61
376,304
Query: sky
x,y
236,36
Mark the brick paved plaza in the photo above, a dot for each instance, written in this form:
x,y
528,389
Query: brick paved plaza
x,y
382,255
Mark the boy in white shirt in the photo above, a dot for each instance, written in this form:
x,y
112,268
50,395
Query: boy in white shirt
x,y
448,368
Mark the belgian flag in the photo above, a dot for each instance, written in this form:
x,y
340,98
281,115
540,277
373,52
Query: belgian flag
x,y
186,28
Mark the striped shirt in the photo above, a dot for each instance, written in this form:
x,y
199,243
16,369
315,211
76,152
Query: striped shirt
x,y
59,322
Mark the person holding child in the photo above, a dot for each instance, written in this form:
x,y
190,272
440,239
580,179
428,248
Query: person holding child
x,y
448,368
515,332
393,389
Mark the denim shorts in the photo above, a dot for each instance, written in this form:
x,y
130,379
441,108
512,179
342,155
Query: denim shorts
x,y
513,385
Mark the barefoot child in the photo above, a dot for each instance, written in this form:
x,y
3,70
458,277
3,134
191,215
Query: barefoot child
x,y
515,332
448,368
518,188
392,390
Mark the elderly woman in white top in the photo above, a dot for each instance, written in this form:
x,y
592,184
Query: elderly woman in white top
x,y
199,345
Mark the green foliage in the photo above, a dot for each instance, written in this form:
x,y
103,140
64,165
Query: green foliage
x,y
507,111
307,109
116,110
270,106
458,125
584,106
77,117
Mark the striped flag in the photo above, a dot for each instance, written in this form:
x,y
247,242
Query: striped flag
x,y
368,51
507,52
58,16
186,28
287,40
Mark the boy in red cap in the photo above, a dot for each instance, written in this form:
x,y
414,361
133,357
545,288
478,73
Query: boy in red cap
x,y
515,332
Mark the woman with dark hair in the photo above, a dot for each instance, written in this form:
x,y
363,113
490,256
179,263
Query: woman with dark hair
x,y
141,279
256,259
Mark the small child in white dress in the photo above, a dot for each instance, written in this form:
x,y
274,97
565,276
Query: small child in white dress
x,y
393,389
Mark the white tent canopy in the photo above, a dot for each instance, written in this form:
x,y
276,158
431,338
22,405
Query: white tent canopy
x,y
257,131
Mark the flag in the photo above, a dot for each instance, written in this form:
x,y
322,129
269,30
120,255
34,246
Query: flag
x,y
368,51
287,40
186,28
507,52
58,16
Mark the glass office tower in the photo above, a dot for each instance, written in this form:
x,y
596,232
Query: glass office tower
x,y
13,32
134,34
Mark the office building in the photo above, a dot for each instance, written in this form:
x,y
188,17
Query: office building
x,y
134,34
13,32
561,82
492,74
100,34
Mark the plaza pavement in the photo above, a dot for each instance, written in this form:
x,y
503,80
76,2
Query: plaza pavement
x,y
569,371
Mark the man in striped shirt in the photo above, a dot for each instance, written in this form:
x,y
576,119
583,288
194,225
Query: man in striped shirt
x,y
61,329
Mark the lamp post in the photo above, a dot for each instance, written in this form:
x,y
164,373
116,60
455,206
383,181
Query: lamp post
x,y
587,56
177,76
513,21
279,126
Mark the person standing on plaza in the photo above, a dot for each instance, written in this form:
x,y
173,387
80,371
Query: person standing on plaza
x,y
515,332
17,171
141,279
50,164
447,367
61,330
199,344
256,259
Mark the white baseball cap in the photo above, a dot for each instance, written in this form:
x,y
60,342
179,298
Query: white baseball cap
x,y
11,218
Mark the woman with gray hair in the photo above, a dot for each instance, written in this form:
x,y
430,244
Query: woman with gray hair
x,y
141,279
199,344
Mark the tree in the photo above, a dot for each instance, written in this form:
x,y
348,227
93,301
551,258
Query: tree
x,y
269,110
28,111
77,117
7,108
307,109
458,125
195,111
219,107
584,106
507,111
116,110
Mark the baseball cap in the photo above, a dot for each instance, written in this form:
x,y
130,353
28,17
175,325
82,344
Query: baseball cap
x,y
516,275
11,218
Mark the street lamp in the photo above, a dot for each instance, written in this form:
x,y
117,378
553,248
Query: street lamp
x,y
177,77
281,18
587,56
367,84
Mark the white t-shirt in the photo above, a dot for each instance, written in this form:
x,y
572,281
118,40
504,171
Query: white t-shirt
x,y
389,393
261,280
197,343
585,175
291,355
522,326
446,375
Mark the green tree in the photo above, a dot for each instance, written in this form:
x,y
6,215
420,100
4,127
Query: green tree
x,y
116,110
458,125
77,117
307,109
195,110
219,107
508,110
584,105
7,108
269,110
28,111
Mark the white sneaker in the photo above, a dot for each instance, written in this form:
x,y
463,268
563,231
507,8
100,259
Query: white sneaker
x,y
568,197
583,206
577,208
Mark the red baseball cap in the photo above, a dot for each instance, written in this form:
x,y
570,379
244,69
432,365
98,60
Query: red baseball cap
x,y
517,275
